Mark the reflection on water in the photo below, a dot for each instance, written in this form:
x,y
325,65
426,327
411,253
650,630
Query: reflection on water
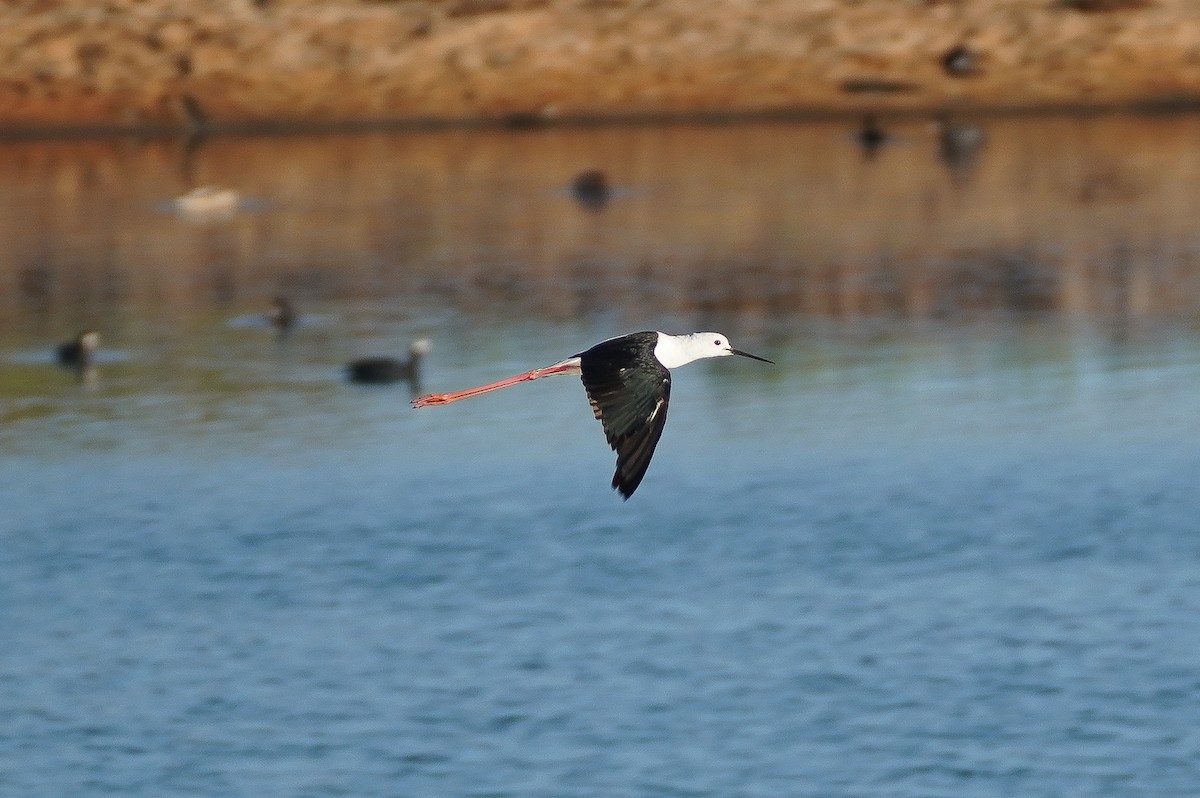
x,y
1084,216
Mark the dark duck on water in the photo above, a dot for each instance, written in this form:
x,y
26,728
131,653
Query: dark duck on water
x,y
591,189
383,370
282,315
79,352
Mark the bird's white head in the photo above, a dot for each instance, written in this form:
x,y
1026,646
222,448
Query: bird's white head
x,y
678,350
89,340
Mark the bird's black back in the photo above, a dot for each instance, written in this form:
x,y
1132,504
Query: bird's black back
x,y
378,370
69,354
75,353
629,391
591,189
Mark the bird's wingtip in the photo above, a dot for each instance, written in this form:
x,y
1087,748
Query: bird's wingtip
x,y
623,489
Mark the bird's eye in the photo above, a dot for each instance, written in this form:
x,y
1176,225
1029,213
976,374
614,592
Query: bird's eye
x,y
717,342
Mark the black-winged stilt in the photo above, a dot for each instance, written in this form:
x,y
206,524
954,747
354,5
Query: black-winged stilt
x,y
78,353
628,382
388,369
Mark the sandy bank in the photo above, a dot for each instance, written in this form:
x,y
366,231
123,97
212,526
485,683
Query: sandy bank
x,y
181,63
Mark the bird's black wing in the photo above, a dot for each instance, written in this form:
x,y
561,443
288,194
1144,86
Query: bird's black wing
x,y
631,403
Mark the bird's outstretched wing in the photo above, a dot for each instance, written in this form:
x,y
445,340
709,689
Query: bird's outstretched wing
x,y
631,403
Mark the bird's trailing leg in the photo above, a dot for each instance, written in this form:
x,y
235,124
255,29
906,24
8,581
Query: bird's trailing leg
x,y
568,366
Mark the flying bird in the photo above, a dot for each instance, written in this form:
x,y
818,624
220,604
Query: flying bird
x,y
628,382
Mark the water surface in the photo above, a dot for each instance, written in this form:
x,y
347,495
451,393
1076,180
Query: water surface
x,y
946,547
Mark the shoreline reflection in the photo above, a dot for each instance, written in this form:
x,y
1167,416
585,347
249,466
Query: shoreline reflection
x,y
1083,217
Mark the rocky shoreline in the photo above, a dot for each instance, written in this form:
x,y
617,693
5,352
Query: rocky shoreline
x,y
213,64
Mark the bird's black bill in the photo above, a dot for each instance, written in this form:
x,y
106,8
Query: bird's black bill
x,y
752,357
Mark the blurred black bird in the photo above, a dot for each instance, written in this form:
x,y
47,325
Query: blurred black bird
x,y
78,353
591,189
381,370
871,136
282,315
960,61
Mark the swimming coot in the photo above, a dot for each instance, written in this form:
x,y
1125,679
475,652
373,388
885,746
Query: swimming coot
x,y
591,189
282,315
387,369
79,352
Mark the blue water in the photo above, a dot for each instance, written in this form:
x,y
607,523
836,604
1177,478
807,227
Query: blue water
x,y
954,560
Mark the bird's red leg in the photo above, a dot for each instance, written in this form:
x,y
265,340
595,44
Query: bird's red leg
x,y
570,366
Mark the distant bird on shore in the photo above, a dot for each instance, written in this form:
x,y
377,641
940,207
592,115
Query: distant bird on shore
x,y
628,383
79,352
382,370
591,189
960,61
282,315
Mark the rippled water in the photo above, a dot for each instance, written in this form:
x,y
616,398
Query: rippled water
x,y
921,556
